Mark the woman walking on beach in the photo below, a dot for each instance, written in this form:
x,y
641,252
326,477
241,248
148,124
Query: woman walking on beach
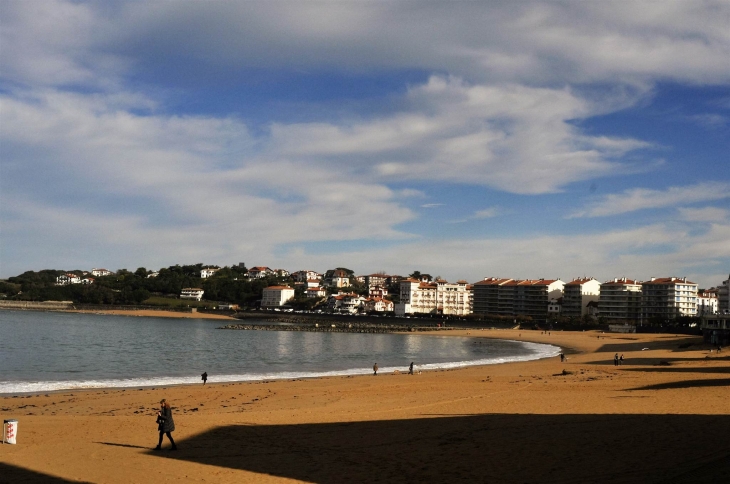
x,y
165,424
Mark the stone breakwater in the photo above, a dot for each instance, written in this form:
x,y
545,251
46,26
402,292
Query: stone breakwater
x,y
334,328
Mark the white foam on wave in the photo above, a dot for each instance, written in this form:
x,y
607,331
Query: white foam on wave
x,y
538,351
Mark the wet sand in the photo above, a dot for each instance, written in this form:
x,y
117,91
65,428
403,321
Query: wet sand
x,y
660,417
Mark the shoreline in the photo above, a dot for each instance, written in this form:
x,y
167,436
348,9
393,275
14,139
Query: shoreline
x,y
147,313
661,417
312,375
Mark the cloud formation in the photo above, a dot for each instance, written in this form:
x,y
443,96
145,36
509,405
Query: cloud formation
x,y
98,162
642,198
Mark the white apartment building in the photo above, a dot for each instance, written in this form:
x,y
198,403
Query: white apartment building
x,y
192,293
374,280
439,297
275,296
349,303
577,294
378,304
259,272
555,307
100,272
337,278
488,295
514,297
723,297
304,276
66,279
668,298
532,297
316,291
620,299
707,303
377,291
208,272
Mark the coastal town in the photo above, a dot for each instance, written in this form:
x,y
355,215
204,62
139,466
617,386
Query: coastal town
x,y
621,300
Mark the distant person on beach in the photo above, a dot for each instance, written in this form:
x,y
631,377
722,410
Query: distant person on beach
x,y
621,359
375,369
562,357
204,377
165,424
410,369
615,359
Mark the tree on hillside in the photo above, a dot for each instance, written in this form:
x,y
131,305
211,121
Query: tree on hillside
x,y
419,276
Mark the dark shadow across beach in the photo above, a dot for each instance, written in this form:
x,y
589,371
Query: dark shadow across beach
x,y
709,382
14,474
477,448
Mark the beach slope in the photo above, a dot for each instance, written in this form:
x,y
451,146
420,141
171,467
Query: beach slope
x,y
659,417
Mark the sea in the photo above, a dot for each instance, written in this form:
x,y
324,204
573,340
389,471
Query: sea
x,y
52,351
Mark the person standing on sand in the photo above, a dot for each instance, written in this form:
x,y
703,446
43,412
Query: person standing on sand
x,y
562,357
165,424
375,369
204,377
410,369
621,359
615,359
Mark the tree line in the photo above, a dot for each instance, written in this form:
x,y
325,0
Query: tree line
x,y
126,287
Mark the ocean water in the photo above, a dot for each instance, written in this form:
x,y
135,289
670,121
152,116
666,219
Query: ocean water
x,y
46,351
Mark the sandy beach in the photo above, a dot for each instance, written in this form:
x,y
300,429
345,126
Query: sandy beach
x,y
660,417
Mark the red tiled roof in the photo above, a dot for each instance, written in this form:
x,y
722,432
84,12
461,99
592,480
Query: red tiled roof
x,y
279,287
580,281
623,282
492,281
668,280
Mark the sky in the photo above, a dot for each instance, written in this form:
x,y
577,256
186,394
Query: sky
x,y
461,139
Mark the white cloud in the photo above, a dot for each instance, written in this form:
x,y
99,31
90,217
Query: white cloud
x,y
710,120
81,164
704,214
192,185
525,41
643,198
486,213
509,137
531,42
653,250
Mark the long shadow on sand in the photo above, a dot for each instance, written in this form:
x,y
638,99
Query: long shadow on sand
x,y
10,473
631,360
672,344
695,369
477,448
712,382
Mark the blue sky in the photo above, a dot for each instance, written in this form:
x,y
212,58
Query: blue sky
x,y
515,139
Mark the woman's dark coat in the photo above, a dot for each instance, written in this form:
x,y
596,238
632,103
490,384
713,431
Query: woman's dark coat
x,y
166,423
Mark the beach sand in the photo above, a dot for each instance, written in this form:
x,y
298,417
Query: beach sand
x,y
583,420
